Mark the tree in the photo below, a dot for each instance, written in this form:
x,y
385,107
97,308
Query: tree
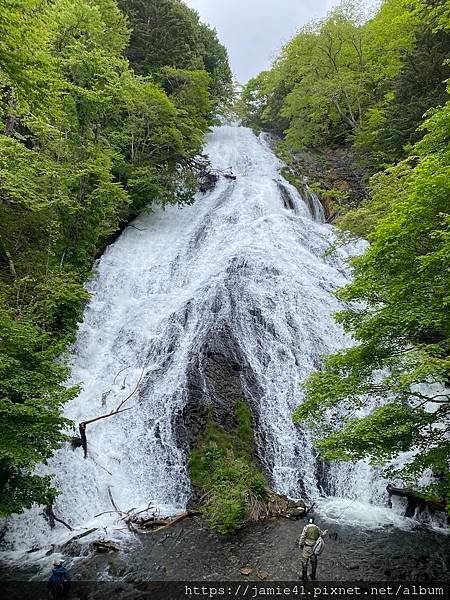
x,y
167,33
398,314
319,83
215,63
392,125
331,79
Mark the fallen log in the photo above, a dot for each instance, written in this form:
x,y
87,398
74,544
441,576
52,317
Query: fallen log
x,y
112,500
105,546
77,537
172,522
415,501
310,509
154,524
82,535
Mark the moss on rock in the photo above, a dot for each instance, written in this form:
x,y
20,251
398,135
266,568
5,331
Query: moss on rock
x,y
222,466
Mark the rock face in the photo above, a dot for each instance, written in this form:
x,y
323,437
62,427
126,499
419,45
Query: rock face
x,y
335,169
218,377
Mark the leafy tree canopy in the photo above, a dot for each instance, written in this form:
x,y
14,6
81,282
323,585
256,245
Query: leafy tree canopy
x,y
167,33
355,77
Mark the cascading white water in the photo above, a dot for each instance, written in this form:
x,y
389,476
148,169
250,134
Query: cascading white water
x,y
247,254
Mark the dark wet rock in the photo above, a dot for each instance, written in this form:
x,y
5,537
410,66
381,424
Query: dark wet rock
x,y
333,169
218,377
76,442
207,182
73,548
105,546
288,201
194,553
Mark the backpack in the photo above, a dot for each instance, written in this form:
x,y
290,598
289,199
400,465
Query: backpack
x,y
59,580
319,546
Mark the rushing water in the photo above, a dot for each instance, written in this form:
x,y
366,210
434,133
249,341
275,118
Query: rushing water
x,y
249,258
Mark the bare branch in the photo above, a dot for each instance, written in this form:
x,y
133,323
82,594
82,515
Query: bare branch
x,y
119,409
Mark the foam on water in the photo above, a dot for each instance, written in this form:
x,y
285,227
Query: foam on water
x,y
363,514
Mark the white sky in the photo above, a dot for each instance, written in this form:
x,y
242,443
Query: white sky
x,y
254,30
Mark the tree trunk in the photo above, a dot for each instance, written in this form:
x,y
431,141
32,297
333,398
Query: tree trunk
x,y
415,501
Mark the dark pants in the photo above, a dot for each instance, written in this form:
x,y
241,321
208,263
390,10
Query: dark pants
x,y
56,591
312,560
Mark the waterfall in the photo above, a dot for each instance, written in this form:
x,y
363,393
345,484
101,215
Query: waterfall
x,y
240,274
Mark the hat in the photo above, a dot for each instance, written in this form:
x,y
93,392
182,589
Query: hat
x,y
57,562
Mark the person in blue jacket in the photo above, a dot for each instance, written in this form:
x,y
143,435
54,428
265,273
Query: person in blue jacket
x,y
59,582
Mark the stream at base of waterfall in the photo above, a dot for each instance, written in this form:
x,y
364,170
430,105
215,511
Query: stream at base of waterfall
x,y
243,276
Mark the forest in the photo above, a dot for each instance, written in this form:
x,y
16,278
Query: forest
x,y
104,107
374,87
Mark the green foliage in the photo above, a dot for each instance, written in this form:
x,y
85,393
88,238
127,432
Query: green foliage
x,y
85,145
30,406
398,313
387,188
222,466
261,102
317,88
356,78
392,125
167,33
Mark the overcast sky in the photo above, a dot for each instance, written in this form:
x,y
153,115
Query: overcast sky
x,y
254,30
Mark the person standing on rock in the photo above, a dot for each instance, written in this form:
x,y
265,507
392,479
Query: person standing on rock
x,y
59,583
309,545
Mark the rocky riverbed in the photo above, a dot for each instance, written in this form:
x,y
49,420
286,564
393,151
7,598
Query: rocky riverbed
x,y
267,552
190,552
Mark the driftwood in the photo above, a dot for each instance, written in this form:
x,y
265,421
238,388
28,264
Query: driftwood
x,y
82,535
78,537
112,499
117,411
140,522
415,501
104,546
154,523
310,509
51,518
